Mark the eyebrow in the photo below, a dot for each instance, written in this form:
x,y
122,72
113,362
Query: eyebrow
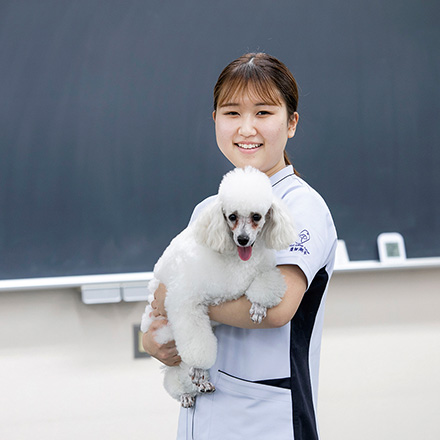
x,y
259,104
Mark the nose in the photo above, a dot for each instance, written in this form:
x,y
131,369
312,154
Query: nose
x,y
247,127
243,240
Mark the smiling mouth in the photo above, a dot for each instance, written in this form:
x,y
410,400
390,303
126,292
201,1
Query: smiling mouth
x,y
249,146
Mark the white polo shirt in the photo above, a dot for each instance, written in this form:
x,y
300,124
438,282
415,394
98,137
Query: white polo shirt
x,y
267,379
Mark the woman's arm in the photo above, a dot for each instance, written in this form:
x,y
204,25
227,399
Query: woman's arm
x,y
236,313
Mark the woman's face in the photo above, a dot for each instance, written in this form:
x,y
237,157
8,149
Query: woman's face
x,y
252,132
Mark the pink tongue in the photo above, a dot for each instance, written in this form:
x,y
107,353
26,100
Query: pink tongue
x,y
244,252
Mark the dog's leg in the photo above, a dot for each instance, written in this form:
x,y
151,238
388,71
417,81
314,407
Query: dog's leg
x,y
265,291
179,385
200,378
195,340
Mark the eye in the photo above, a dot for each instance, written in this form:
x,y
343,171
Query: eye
x,y
232,218
256,218
263,113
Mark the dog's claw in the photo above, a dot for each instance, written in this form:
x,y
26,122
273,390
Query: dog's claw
x,y
198,375
187,400
200,378
258,313
206,387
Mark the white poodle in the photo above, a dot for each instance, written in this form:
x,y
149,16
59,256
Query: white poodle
x,y
227,252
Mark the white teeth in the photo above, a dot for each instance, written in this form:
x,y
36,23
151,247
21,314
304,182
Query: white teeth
x,y
248,146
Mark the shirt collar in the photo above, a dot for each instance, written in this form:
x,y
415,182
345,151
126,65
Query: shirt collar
x,y
282,174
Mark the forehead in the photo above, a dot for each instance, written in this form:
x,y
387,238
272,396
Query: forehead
x,y
237,92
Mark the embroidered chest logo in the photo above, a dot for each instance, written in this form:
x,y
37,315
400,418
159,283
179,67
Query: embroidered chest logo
x,y
298,246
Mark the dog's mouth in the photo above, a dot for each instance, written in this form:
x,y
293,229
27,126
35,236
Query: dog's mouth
x,y
244,252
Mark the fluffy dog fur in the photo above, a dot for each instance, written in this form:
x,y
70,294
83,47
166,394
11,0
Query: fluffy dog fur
x,y
226,252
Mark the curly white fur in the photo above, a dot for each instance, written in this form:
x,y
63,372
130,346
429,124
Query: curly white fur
x,y
226,252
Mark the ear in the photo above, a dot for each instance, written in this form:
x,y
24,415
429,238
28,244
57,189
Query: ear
x,y
211,229
292,124
279,232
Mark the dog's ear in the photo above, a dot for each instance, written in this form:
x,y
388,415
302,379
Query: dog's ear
x,y
279,232
211,229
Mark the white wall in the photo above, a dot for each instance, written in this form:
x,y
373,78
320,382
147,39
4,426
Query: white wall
x,y
67,369
381,357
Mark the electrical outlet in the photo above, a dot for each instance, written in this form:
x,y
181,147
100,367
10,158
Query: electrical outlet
x,y
139,351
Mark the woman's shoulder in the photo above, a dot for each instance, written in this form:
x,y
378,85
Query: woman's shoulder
x,y
201,206
298,194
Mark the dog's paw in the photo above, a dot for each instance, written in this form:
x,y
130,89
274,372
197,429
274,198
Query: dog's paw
x,y
257,312
200,378
187,400
206,387
198,375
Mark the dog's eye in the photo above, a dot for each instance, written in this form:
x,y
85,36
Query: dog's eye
x,y
256,218
232,218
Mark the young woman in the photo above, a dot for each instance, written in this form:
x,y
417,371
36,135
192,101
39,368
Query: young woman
x,y
266,375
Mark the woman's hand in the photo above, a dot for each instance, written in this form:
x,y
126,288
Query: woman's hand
x,y
158,305
166,353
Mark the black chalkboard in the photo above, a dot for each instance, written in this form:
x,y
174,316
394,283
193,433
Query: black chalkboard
x,y
107,142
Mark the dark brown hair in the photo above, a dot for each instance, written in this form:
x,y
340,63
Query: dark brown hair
x,y
262,74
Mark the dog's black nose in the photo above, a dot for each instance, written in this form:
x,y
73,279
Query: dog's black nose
x,y
243,240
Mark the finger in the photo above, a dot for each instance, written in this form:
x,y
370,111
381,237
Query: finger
x,y
177,363
170,357
170,344
174,361
171,352
157,323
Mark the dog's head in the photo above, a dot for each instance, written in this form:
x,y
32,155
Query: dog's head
x,y
245,209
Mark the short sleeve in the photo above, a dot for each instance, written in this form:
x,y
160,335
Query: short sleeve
x,y
316,243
